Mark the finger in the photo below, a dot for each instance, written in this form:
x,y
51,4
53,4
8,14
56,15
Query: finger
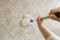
x,y
39,18
51,12
53,17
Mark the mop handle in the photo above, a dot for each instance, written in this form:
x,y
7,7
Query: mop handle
x,y
46,17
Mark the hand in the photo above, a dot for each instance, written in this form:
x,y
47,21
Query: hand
x,y
45,32
52,14
39,20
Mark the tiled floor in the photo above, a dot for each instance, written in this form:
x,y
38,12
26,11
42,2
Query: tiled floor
x,y
11,12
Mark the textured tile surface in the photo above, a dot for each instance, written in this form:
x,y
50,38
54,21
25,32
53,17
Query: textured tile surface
x,y
11,12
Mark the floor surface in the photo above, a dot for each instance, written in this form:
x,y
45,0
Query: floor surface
x,y
12,11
